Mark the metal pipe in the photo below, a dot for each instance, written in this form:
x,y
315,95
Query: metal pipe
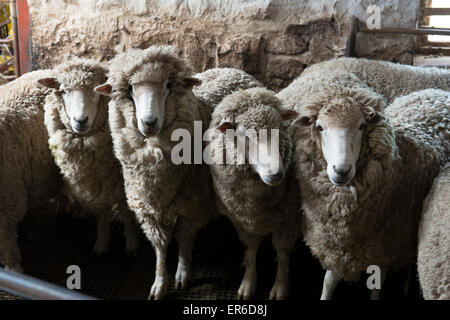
x,y
422,30
31,288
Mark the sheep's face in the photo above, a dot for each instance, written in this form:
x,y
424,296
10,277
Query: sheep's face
x,y
340,126
150,89
81,104
253,138
81,107
150,101
341,131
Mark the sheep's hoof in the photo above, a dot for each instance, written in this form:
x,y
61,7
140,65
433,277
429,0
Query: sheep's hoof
x,y
182,277
159,288
246,290
279,292
14,268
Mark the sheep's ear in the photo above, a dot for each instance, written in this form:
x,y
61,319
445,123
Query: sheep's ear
x,y
302,121
104,89
289,114
371,115
190,82
51,83
224,126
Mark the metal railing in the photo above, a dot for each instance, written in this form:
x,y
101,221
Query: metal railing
x,y
31,288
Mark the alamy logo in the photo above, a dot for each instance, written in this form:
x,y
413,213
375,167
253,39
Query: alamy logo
x,y
373,17
233,146
74,280
374,280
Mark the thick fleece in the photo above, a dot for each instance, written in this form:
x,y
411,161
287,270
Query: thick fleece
x,y
28,175
92,175
374,219
433,261
255,208
161,193
385,78
217,83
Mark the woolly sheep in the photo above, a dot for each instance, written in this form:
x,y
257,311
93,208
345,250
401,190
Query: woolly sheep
x,y
152,97
385,78
28,175
434,240
217,83
368,216
81,144
252,194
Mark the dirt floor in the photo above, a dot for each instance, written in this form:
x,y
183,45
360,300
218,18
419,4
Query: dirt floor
x,y
51,243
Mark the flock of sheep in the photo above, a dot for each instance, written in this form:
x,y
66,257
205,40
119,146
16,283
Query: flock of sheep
x,y
360,143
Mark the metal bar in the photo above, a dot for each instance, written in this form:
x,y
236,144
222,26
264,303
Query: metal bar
x,y
35,289
422,30
6,64
433,50
436,11
438,44
12,6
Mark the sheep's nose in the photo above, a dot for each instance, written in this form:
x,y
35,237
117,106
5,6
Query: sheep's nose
x,y
81,121
342,171
150,122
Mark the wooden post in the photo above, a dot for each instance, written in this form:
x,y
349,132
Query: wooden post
x,y
23,22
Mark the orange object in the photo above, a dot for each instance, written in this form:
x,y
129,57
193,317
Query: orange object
x,y
23,22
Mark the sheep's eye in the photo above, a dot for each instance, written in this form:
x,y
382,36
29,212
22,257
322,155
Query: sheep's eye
x,y
361,127
319,127
130,88
169,85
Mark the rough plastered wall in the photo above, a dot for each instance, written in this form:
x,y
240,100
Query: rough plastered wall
x,y
271,39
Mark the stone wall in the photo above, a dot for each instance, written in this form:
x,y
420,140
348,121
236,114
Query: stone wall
x,y
271,39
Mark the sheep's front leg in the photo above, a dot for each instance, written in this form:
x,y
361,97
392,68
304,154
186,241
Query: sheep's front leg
x,y
131,231
280,289
330,282
161,283
103,238
185,235
375,293
248,284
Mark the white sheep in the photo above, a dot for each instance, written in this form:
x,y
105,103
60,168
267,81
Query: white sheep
x,y
152,97
433,256
388,79
28,175
254,193
363,177
81,145
217,83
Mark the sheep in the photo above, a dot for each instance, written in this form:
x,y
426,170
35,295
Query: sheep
x,y
28,175
152,100
434,240
220,82
81,145
255,196
385,78
362,177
